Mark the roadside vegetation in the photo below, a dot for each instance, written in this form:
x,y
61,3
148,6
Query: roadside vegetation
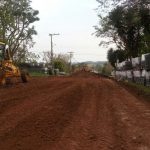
x,y
124,27
127,24
138,89
37,74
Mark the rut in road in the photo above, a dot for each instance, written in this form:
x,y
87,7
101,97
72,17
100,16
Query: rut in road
x,y
82,112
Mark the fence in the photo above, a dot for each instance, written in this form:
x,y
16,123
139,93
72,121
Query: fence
x,y
136,70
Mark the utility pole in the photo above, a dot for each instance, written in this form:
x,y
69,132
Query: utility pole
x,y
70,57
52,53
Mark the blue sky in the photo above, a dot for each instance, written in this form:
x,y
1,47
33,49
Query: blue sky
x,y
74,21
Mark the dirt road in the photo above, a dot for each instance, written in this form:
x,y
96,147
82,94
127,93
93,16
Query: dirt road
x,y
82,112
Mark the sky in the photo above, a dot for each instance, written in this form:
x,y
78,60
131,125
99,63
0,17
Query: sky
x,y
74,21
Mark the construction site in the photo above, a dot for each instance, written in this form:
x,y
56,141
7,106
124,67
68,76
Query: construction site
x,y
84,111
75,75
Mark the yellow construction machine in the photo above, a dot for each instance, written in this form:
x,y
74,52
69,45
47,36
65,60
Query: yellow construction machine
x,y
8,70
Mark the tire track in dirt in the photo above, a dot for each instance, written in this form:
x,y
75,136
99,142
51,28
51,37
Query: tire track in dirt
x,y
101,123
81,129
22,95
82,112
90,128
130,122
43,126
9,119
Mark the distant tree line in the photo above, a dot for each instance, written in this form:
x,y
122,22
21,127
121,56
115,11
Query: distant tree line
x,y
127,24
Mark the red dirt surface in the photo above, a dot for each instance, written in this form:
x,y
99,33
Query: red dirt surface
x,y
82,112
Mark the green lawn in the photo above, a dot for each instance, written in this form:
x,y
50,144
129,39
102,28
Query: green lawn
x,y
38,74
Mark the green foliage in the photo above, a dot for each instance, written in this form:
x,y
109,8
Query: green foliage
x,y
107,69
24,56
16,18
61,62
37,74
115,56
127,25
141,89
112,58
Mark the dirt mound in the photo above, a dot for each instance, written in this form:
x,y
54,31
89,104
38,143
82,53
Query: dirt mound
x,y
84,74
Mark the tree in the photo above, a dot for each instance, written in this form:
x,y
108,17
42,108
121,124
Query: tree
x,y
111,4
16,19
112,58
60,61
115,56
59,64
107,69
125,26
24,56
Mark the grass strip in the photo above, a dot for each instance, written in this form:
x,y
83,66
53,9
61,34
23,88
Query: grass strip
x,y
139,89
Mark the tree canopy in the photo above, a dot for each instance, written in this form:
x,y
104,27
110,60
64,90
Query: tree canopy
x,y
60,61
127,24
114,56
16,23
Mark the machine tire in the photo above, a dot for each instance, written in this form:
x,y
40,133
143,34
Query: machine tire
x,y
24,76
2,78
3,82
